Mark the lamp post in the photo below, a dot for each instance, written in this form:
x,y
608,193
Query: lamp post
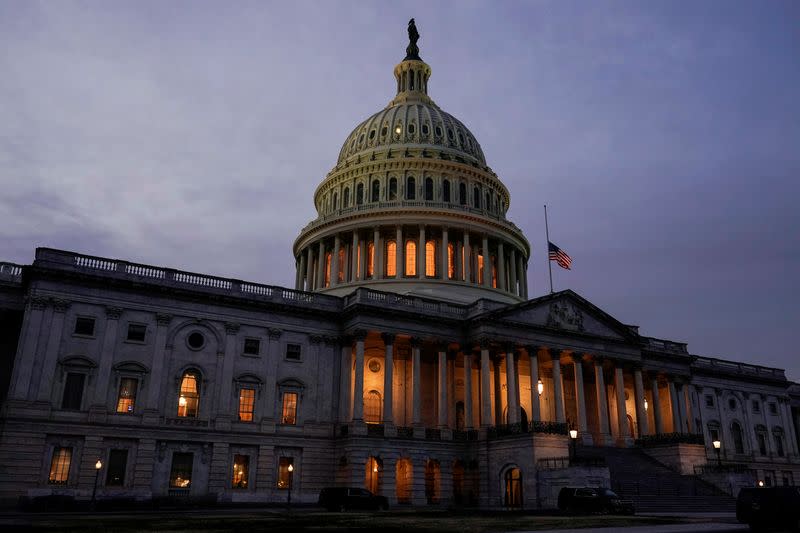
x,y
97,466
573,437
540,387
717,445
289,493
760,483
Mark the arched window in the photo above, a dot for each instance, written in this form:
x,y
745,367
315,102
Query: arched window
x,y
411,188
488,204
430,259
376,191
446,191
327,269
476,198
451,261
392,189
480,268
370,259
341,265
359,194
777,434
404,476
372,407
411,258
513,488
391,258
429,189
432,481
738,441
346,197
372,477
335,201
462,194
189,398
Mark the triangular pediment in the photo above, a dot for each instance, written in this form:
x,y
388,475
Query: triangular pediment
x,y
565,311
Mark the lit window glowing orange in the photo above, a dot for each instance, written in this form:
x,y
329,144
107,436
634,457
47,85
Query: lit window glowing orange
x,y
341,265
247,400
358,262
430,259
480,269
411,258
370,259
289,408
189,399
391,258
451,261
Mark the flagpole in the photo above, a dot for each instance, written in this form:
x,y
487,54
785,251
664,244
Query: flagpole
x,y
549,263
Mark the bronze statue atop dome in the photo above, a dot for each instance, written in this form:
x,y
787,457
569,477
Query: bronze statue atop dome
x,y
412,50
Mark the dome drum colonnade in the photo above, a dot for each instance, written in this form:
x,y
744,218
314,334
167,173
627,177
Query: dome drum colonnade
x,y
607,400
412,184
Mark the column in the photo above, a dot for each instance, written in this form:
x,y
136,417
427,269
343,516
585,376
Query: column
x,y
309,269
442,388
32,321
512,271
498,394
301,271
321,265
501,267
345,390
558,391
487,263
362,262
466,259
657,407
388,376
268,403
686,417
673,402
524,280
789,429
512,398
602,400
358,388
622,413
579,396
354,258
335,266
641,414
445,256
377,255
486,397
458,248
521,276
48,368
399,251
468,422
421,255
536,415
416,413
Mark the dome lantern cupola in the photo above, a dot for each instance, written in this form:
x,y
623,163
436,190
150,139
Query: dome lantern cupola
x,y
411,207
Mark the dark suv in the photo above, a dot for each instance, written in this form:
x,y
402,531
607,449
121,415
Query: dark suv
x,y
344,498
592,500
769,507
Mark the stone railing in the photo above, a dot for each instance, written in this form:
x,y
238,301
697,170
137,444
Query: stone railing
x,y
661,344
505,430
557,463
10,272
415,303
670,438
102,266
724,468
465,435
733,367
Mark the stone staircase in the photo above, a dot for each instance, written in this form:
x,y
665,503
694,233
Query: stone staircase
x,y
655,488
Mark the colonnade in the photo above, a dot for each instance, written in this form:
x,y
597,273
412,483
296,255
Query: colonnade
x,y
424,252
560,386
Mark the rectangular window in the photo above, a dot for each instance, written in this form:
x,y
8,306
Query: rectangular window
x,y
73,391
391,259
117,463
773,408
285,472
59,466
293,351
756,406
289,408
84,326
709,400
241,471
252,346
778,444
247,401
136,332
126,399
180,476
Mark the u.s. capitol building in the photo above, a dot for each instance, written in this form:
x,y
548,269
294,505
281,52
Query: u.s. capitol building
x,y
407,359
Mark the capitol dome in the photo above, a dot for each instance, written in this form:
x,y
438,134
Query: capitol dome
x,y
411,182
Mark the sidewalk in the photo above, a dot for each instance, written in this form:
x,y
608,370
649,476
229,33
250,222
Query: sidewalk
x,y
671,528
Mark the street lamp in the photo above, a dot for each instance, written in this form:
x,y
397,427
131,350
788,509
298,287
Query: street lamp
x,y
645,405
97,466
760,482
289,493
717,445
540,387
573,437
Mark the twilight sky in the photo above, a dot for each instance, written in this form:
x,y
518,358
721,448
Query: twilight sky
x,y
664,137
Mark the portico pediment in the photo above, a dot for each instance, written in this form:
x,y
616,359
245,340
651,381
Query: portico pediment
x,y
565,311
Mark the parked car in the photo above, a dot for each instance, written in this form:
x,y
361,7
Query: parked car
x,y
766,508
345,498
593,500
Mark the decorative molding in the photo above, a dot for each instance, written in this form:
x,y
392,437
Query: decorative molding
x,y
315,339
274,333
163,319
565,315
232,328
360,335
38,302
415,342
59,305
113,313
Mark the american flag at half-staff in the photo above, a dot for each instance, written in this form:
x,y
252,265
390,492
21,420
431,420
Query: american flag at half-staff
x,y
559,256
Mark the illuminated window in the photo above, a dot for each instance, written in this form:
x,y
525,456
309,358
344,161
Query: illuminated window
x,y
59,466
180,475
370,259
189,399
247,401
328,269
127,395
289,416
358,261
411,258
480,268
341,265
451,261
430,259
285,472
411,188
391,258
117,464
372,407
241,471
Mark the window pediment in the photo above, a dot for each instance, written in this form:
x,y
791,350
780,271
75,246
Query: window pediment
x,y
132,367
77,361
